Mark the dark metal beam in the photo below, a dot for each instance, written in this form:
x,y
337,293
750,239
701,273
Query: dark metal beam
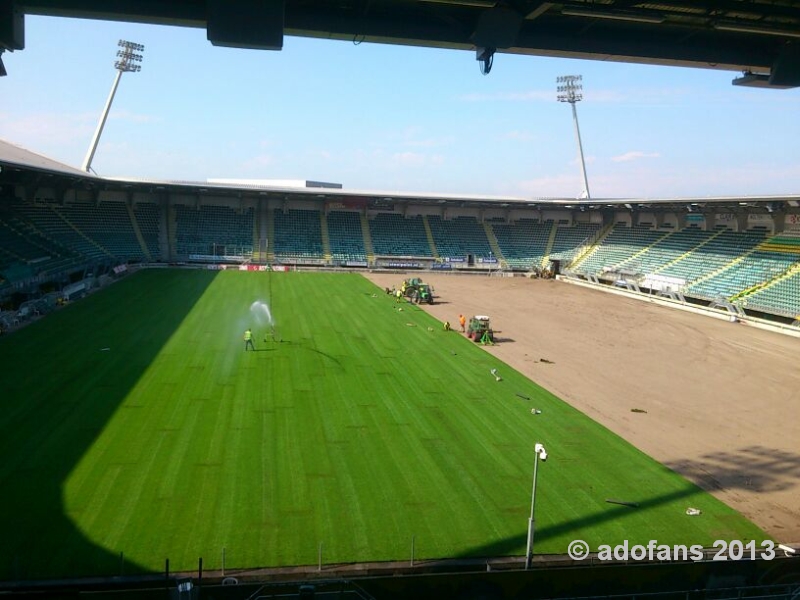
x,y
685,38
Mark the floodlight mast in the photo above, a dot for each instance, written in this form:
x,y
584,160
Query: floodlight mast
x,y
539,452
570,90
127,57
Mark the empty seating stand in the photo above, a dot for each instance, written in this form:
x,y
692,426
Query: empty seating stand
x,y
569,240
619,247
782,297
345,236
755,268
770,260
147,217
213,230
108,225
298,235
523,242
48,219
668,249
713,255
459,238
396,235
52,238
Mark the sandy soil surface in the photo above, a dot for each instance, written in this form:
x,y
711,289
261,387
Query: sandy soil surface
x,y
722,399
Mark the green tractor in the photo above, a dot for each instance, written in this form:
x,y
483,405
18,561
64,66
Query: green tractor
x,y
480,330
424,294
417,291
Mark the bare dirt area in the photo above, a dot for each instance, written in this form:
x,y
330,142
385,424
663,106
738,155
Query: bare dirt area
x,y
722,400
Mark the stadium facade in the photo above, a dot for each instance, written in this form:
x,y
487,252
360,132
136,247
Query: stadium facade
x,y
60,224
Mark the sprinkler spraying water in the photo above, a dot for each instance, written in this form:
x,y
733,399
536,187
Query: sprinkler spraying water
x,y
260,310
263,317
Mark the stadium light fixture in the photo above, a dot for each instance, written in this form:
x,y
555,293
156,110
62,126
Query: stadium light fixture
x,y
756,29
635,17
128,57
539,452
570,89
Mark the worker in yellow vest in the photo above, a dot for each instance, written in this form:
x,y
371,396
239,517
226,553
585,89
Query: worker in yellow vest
x,y
248,340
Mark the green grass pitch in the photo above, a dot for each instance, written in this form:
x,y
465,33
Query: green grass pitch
x,y
134,428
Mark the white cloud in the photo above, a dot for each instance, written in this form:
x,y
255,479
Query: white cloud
x,y
430,142
33,130
664,182
258,162
416,159
550,186
409,159
634,155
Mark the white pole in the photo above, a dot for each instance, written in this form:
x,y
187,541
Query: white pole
x,y
531,521
87,162
580,150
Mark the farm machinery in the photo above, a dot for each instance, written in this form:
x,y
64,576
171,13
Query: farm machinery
x,y
417,291
480,330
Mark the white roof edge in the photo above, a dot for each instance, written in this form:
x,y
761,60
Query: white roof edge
x,y
14,154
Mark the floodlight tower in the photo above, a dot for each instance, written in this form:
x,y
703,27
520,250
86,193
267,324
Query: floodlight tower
x,y
538,452
569,90
127,57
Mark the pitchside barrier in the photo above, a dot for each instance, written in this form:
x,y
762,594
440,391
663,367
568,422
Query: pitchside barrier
x,y
474,578
719,309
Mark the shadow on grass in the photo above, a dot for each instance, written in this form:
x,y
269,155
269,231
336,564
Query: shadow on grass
x,y
508,546
754,468
57,393
303,346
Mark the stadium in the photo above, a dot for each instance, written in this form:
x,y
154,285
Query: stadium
x,y
356,447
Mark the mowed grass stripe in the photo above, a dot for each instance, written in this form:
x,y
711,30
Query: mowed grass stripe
x,y
358,426
59,389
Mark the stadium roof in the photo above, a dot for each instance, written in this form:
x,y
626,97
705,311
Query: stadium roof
x,y
12,156
759,37
23,167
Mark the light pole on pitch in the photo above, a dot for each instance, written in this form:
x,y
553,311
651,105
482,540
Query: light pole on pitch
x,y
539,452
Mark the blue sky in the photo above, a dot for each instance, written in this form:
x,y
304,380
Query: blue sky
x,y
378,117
